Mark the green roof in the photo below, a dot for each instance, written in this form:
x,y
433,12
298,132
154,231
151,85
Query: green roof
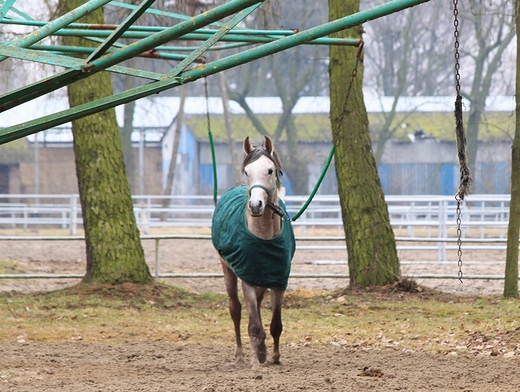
x,y
495,126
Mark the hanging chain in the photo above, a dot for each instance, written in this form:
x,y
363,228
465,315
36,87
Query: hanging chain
x,y
347,95
459,236
457,54
458,114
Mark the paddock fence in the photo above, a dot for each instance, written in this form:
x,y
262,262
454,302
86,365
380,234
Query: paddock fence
x,y
421,223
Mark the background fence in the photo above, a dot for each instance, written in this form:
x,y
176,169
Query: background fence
x,y
421,223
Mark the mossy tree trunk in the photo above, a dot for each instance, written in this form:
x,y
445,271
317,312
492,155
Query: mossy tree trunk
x,y
513,231
372,254
114,250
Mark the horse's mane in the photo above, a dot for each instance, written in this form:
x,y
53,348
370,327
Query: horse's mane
x,y
259,151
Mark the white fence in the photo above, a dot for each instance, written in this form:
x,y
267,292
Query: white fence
x,y
435,215
429,221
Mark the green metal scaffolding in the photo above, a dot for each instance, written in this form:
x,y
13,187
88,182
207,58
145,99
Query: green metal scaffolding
x,y
153,42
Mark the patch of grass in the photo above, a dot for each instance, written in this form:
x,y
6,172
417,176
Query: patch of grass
x,y
8,267
382,318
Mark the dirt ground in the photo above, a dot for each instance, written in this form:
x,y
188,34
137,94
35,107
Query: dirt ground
x,y
159,366
149,366
199,256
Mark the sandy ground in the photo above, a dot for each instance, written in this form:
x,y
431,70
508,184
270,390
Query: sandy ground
x,y
159,366
152,366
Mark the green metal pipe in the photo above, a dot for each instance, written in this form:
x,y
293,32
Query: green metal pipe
x,y
64,50
162,13
85,29
298,39
70,62
237,35
57,24
212,40
127,23
169,34
6,7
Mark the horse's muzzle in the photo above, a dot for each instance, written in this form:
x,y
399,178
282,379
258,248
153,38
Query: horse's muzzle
x,y
256,209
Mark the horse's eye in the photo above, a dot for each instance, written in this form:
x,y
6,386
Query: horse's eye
x,y
245,172
270,171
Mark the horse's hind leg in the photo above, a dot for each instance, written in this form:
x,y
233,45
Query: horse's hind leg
x,y
253,296
276,322
235,308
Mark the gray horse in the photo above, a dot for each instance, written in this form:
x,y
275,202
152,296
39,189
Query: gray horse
x,y
256,245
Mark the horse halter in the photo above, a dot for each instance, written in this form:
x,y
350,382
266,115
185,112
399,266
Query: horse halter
x,y
276,208
265,189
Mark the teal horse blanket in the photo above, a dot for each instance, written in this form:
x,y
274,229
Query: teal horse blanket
x,y
264,263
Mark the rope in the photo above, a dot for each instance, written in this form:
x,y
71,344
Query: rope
x,y
316,187
329,158
335,133
211,145
465,176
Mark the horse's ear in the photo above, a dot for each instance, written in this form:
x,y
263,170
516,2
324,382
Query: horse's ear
x,y
247,146
268,145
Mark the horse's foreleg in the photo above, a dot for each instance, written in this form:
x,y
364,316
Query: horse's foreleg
x,y
253,298
235,308
276,322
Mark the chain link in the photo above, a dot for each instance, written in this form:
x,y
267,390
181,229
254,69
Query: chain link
x,y
459,236
458,197
457,54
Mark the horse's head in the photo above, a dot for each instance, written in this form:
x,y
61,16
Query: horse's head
x,y
262,169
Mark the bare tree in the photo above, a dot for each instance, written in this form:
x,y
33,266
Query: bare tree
x,y
492,27
405,58
513,229
372,255
294,73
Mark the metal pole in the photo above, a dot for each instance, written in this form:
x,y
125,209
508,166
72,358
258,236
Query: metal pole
x,y
37,167
62,21
157,266
141,162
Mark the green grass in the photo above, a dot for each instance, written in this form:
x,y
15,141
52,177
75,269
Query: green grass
x,y
8,267
384,318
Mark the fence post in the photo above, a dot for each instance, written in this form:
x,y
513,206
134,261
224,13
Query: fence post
x,y
157,258
73,215
442,230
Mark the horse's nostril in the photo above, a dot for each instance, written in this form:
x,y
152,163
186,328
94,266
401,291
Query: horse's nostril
x,y
260,203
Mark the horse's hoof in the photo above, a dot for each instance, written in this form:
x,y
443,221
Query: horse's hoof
x,y
240,362
262,353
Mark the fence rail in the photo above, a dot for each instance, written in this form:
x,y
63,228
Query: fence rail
x,y
427,220
157,267
431,212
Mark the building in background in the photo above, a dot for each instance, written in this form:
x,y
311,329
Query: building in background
x,y
421,159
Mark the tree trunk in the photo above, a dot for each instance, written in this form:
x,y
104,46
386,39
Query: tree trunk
x,y
114,251
513,230
372,253
126,143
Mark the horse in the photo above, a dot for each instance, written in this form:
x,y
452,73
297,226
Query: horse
x,y
255,241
